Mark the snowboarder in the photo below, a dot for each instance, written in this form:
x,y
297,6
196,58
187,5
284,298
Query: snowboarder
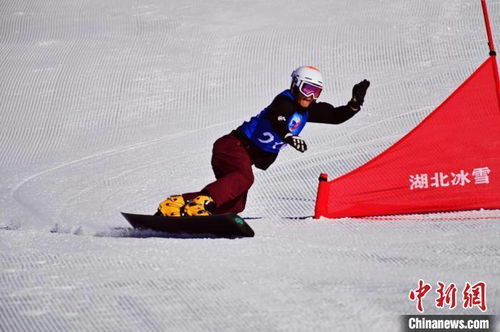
x,y
258,142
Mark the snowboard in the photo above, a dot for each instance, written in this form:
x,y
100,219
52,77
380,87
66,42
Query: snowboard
x,y
222,225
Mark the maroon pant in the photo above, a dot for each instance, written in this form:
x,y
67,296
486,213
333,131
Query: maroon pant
x,y
232,167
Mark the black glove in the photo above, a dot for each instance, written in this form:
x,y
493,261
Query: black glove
x,y
358,94
296,141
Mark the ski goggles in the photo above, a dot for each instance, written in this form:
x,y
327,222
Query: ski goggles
x,y
309,89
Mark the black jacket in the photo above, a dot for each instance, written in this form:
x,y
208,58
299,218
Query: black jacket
x,y
280,111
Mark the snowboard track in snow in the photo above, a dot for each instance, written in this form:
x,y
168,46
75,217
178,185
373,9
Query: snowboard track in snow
x,y
111,106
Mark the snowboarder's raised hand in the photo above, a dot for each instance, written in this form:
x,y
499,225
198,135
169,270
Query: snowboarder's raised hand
x,y
296,141
358,94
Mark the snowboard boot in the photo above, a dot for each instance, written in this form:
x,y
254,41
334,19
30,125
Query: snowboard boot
x,y
201,205
172,206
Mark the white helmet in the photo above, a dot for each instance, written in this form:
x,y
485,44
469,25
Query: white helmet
x,y
308,80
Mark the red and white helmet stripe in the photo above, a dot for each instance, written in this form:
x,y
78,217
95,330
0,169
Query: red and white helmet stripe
x,y
307,74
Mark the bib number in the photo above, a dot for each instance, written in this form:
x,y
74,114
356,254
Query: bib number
x,y
268,138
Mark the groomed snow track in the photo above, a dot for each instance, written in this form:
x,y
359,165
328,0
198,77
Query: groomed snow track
x,y
110,106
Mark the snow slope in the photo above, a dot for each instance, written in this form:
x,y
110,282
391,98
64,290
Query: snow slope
x,y
110,106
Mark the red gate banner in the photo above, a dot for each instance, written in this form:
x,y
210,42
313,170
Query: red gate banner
x,y
449,162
